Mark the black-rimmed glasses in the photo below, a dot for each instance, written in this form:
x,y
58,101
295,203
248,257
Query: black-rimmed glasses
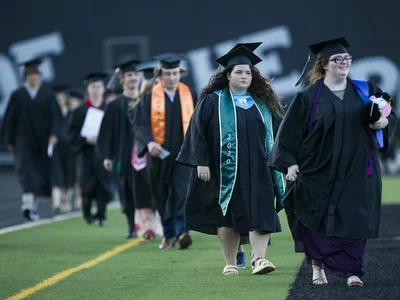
x,y
340,59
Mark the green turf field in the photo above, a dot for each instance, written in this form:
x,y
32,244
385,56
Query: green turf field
x,y
391,189
28,257
143,272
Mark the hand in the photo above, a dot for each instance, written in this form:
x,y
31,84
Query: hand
x,y
371,113
11,148
108,165
292,173
203,172
92,141
53,140
380,124
154,149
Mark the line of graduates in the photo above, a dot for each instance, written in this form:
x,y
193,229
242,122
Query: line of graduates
x,y
146,109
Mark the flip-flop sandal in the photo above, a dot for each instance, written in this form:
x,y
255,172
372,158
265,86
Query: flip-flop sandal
x,y
354,281
319,277
230,270
320,281
149,235
263,266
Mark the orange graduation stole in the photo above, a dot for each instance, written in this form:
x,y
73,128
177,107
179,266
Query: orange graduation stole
x,y
158,110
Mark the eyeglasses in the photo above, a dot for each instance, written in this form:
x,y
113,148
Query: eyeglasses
x,y
340,60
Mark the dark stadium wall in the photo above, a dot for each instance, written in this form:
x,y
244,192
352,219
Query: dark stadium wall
x,y
83,36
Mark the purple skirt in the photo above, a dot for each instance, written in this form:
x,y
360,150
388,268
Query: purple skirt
x,y
339,256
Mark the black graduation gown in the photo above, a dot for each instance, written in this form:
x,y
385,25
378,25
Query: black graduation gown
x,y
63,160
93,178
333,163
27,126
115,142
168,179
252,202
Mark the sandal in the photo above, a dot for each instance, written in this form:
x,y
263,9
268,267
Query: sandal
x,y
149,235
319,277
263,266
354,281
167,243
230,270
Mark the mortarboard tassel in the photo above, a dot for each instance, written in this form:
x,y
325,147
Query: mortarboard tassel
x,y
303,74
111,83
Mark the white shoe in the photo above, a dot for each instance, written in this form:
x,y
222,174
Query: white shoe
x,y
354,281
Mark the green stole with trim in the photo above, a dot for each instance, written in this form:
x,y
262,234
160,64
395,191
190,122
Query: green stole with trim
x,y
229,149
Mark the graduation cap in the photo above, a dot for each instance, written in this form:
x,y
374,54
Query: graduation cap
x,y
148,68
170,60
324,50
128,66
240,55
94,76
32,64
250,46
75,94
60,88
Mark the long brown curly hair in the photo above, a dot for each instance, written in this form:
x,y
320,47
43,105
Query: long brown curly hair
x,y
318,71
258,89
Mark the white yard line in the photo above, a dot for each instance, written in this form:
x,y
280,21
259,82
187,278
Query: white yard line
x,y
55,219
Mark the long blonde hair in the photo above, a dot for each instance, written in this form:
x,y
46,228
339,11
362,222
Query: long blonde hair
x,y
318,71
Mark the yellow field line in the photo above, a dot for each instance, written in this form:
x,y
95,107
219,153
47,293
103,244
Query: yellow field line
x,y
64,274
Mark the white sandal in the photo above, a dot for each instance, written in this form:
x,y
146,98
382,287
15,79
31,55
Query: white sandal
x,y
263,266
230,270
354,281
319,277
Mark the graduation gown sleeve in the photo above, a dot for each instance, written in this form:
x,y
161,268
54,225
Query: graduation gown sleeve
x,y
291,134
57,119
389,132
109,130
74,138
142,125
9,125
195,149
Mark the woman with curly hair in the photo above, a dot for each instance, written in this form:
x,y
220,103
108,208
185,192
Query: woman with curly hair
x,y
231,190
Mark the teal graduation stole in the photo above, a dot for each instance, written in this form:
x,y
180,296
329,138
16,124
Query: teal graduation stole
x,y
277,177
229,149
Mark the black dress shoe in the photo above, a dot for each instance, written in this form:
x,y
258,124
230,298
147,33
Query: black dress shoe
x,y
88,219
131,235
30,215
100,223
56,211
184,241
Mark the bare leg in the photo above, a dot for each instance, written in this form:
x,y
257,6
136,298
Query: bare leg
x,y
56,195
240,248
229,241
259,243
67,200
319,277
78,196
146,218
